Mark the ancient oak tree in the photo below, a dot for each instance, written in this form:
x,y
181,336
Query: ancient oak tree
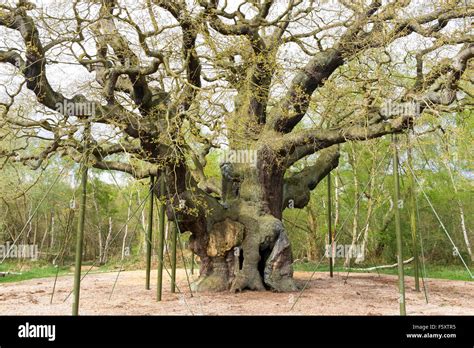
x,y
276,85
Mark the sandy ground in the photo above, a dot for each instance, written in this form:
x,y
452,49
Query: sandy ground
x,y
363,294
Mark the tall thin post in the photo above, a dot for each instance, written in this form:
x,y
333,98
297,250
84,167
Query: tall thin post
x,y
80,224
174,237
161,239
331,256
413,226
149,232
401,277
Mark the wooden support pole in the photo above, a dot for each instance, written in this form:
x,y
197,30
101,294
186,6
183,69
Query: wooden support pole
x,y
80,224
331,256
161,238
397,203
411,181
174,236
149,238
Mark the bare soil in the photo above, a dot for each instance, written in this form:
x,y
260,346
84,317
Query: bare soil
x,y
362,294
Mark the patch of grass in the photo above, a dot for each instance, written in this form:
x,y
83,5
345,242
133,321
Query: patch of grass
x,y
42,269
437,271
451,272
29,271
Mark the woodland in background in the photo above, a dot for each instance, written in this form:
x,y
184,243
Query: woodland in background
x,y
442,161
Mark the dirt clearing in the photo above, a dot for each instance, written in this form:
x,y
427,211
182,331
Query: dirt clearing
x,y
362,294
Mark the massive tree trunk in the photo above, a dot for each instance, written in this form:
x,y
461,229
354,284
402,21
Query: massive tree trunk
x,y
243,227
259,242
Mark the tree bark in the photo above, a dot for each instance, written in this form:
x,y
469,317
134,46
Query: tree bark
x,y
355,213
370,206
124,240
248,219
461,212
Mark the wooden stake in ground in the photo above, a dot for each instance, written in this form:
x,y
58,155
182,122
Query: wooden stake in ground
x,y
149,232
401,277
411,182
161,239
80,225
174,236
331,256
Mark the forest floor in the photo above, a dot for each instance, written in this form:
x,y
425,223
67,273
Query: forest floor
x,y
362,294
